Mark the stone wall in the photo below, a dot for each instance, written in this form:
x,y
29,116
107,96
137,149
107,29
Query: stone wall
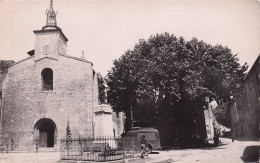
x,y
209,119
4,64
24,102
246,108
118,123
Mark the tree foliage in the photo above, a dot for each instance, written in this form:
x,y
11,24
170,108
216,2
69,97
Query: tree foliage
x,y
175,75
222,114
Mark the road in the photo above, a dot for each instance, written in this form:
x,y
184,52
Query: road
x,y
227,153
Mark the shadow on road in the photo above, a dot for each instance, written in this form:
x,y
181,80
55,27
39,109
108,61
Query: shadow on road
x,y
213,147
247,139
251,154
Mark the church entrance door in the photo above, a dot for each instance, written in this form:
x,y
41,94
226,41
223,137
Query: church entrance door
x,y
43,139
45,132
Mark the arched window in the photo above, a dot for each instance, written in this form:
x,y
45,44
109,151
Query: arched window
x,y
47,79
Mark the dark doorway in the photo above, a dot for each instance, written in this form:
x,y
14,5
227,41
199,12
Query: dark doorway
x,y
46,130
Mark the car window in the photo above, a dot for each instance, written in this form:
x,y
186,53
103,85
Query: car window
x,y
130,135
149,136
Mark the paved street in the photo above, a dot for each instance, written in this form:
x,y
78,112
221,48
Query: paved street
x,y
228,153
45,157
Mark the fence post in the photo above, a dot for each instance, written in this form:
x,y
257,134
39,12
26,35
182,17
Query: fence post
x,y
123,148
105,152
61,149
133,150
81,152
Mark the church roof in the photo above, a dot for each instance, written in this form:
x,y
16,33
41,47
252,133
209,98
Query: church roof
x,y
51,30
257,61
76,58
31,52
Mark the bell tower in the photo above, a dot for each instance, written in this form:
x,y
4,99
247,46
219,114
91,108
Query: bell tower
x,y
50,42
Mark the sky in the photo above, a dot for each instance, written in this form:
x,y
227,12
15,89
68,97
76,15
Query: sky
x,y
105,29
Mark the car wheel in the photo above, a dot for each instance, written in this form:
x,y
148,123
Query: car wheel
x,y
148,148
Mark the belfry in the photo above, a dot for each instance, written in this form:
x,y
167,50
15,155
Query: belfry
x,y
51,17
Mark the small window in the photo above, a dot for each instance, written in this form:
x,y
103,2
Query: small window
x,y
47,79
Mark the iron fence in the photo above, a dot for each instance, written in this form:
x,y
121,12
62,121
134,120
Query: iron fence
x,y
99,148
46,87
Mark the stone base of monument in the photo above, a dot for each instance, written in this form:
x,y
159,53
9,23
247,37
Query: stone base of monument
x,y
101,145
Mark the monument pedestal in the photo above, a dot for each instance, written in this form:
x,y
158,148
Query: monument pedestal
x,y
103,130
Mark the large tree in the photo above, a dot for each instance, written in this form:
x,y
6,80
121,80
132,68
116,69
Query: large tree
x,y
222,114
174,75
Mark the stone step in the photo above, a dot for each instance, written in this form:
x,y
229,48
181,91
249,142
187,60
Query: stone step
x,y
32,150
48,150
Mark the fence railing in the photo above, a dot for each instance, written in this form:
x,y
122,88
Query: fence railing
x,y
46,87
99,148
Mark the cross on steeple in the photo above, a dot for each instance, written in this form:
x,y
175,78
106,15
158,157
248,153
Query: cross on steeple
x,y
51,16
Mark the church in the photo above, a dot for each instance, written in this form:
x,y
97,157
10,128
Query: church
x,y
40,93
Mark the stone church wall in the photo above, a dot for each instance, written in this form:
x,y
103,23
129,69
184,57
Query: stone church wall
x,y
24,102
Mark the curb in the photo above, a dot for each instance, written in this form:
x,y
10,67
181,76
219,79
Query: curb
x,y
165,160
115,161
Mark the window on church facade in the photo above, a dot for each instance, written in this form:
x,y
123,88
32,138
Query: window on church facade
x,y
47,79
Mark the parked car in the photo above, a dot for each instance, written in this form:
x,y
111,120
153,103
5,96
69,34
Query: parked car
x,y
152,136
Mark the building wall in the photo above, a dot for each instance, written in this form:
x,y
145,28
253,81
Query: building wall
x,y
52,38
118,123
234,118
245,111
209,121
4,64
24,102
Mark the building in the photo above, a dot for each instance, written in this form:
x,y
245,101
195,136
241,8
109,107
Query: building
x,y
3,71
245,110
209,121
40,92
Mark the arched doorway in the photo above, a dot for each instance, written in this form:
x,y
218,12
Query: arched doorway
x,y
45,132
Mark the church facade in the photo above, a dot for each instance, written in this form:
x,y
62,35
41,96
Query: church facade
x,y
40,93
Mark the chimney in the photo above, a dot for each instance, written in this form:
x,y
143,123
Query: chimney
x,y
83,57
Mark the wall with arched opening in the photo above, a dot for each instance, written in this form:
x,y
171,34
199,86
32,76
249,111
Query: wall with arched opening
x,y
45,132
26,102
47,79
